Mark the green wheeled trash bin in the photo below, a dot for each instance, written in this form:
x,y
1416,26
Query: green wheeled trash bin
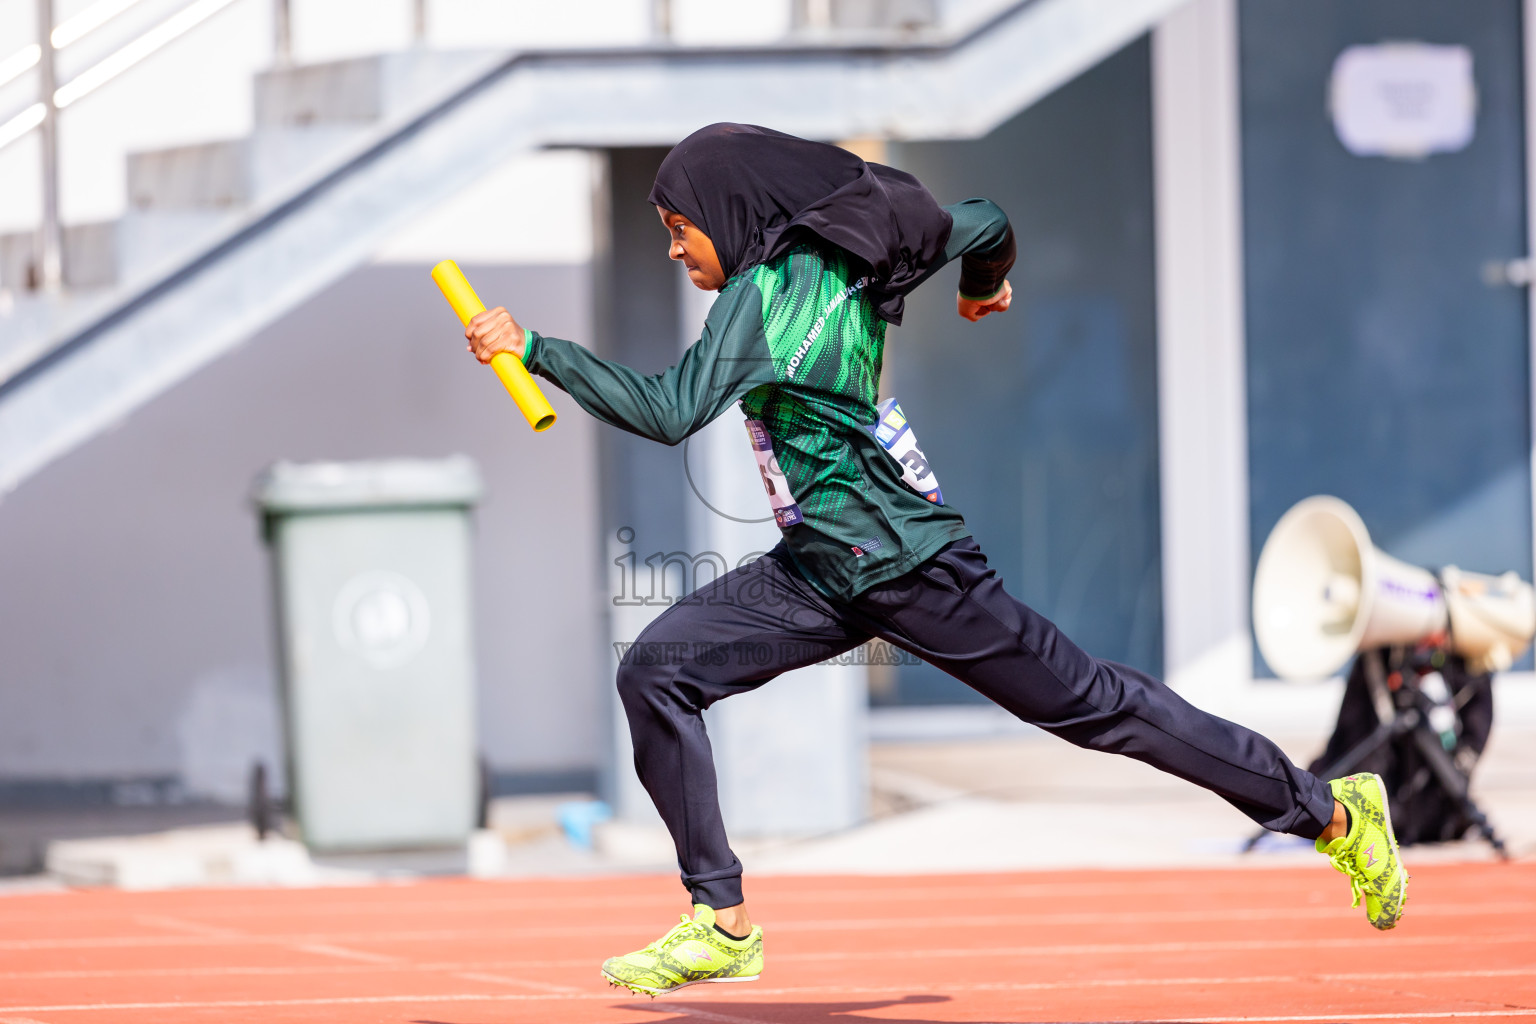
x,y
371,563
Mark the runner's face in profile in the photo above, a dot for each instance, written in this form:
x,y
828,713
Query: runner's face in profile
x,y
692,246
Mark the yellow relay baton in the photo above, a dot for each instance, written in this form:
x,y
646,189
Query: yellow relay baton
x,y
514,376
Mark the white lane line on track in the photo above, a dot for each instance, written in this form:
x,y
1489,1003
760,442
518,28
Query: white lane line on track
x,y
1267,979
238,1004
502,979
664,900
323,949
1414,1015
1144,917
208,931
880,990
1206,885
1267,915
1103,949
176,924
1143,948
1330,1017
710,1016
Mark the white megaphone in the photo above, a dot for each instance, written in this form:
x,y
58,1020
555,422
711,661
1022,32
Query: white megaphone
x,y
1323,592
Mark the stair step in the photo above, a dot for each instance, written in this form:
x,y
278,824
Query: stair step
x,y
364,89
231,173
89,256
305,115
103,253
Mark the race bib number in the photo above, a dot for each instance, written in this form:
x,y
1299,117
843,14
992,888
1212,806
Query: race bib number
x,y
895,435
786,511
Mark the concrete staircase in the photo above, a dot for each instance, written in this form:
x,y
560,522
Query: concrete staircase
x,y
185,197
225,237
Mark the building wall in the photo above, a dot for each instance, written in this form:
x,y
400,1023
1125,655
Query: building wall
x,y
134,594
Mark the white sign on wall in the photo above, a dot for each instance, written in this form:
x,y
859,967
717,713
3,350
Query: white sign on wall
x,y
1403,100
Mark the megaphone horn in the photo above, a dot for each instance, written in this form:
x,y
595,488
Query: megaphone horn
x,y
1492,617
1324,592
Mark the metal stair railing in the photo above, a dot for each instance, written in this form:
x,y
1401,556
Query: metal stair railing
x,y
54,96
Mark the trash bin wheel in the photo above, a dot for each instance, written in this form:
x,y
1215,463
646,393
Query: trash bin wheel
x,y
483,792
260,809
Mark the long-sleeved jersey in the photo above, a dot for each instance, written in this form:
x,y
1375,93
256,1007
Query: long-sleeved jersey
x,y
797,343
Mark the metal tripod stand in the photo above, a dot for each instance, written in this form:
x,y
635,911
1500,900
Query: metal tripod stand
x,y
1399,713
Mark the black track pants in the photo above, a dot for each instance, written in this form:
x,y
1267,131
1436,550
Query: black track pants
x,y
951,611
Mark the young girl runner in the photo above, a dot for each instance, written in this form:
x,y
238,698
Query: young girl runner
x,y
812,251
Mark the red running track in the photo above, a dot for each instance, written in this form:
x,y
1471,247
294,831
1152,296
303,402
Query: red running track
x,y
1259,944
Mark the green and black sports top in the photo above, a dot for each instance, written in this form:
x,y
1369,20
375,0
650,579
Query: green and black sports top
x,y
799,345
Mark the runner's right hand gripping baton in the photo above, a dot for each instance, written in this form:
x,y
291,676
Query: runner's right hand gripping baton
x,y
516,378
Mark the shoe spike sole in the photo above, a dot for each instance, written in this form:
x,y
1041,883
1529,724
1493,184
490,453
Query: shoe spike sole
x,y
615,983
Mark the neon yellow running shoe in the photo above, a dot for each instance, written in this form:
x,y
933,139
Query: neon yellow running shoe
x,y
1368,853
693,952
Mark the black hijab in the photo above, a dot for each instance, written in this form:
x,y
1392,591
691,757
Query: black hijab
x,y
756,192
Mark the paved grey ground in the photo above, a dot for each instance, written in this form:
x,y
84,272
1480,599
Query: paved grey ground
x,y
25,834
1030,801
992,804
1008,804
